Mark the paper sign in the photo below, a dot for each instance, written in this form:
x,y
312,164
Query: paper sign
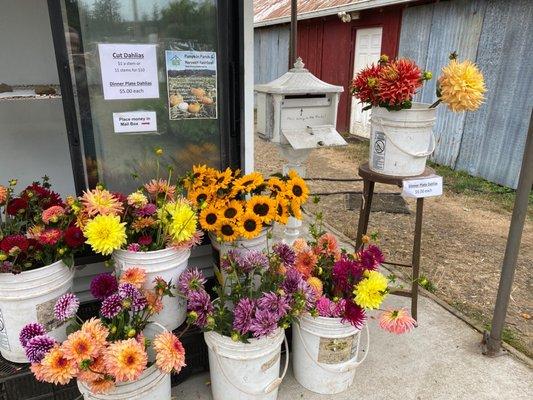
x,y
424,187
192,84
129,71
135,121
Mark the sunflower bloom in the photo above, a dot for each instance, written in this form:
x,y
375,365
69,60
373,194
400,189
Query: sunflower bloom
x,y
232,210
370,292
200,195
262,206
56,368
462,86
396,321
297,188
250,225
79,346
125,360
282,211
105,233
248,182
170,354
134,275
209,218
100,201
228,230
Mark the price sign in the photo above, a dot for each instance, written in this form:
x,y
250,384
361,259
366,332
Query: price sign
x,y
129,71
423,187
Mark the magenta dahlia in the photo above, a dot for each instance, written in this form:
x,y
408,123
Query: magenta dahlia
x,y
103,285
191,280
74,237
66,307
243,314
37,347
31,330
264,322
354,314
111,306
199,302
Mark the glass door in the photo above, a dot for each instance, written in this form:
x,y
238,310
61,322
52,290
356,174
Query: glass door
x,y
150,74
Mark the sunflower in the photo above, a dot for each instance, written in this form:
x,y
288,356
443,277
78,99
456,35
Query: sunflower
x,y
200,195
262,206
248,182
282,211
297,188
276,185
233,210
228,230
223,178
209,218
250,225
296,209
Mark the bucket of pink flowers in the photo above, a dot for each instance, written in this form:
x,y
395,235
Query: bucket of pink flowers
x,y
119,355
326,343
258,298
38,238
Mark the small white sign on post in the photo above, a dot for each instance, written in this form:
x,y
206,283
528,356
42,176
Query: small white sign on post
x,y
129,71
135,121
423,187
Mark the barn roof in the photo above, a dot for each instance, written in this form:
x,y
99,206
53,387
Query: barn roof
x,y
272,12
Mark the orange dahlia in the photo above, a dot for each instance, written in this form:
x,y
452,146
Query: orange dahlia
x,y
125,360
79,346
3,194
94,372
160,186
101,385
142,223
38,372
306,262
155,303
134,275
398,82
170,354
98,332
101,201
56,368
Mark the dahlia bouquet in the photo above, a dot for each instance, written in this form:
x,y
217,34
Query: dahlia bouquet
x,y
257,293
392,84
348,284
112,348
235,205
36,228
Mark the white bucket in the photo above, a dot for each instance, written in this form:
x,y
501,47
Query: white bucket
x,y
243,245
246,371
401,141
152,384
325,354
30,297
167,263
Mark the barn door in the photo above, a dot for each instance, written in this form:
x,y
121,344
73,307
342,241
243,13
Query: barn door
x,y
367,51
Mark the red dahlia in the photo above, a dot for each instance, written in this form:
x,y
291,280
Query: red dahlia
x,y
12,241
365,84
50,237
17,205
74,237
46,197
398,82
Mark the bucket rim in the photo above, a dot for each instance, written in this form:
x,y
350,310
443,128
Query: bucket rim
x,y
34,273
234,350
170,250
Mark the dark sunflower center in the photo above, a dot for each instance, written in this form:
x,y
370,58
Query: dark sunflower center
x,y
250,225
261,209
230,212
248,182
227,230
297,190
280,209
211,218
201,197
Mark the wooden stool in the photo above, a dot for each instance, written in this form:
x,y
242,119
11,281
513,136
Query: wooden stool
x,y
369,180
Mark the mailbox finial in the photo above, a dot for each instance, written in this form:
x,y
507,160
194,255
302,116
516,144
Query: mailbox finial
x,y
299,64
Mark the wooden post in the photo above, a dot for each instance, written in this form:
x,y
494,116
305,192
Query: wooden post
x,y
293,47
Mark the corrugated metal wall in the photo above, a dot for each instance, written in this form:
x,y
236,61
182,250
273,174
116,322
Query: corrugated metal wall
x,y
497,35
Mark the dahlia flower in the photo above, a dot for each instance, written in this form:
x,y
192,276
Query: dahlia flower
x,y
329,308
285,253
328,245
50,237
180,220
52,214
125,360
111,306
345,272
354,314
79,346
16,206
274,303
97,330
170,354
4,192
156,187
102,202
263,323
364,85
398,82
242,315
306,262
74,237
371,257
29,331
370,292
10,242
103,285
461,86
199,303
252,260
135,247
66,307
135,276
146,211
291,281
56,368
396,321
105,233
137,199
101,385
129,291
37,347
316,284
191,280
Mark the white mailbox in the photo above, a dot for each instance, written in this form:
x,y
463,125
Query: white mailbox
x,y
299,110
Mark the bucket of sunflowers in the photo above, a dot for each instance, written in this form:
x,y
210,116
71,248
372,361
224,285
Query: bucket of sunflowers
x,y
401,134
152,229
326,344
37,241
121,354
244,326
239,210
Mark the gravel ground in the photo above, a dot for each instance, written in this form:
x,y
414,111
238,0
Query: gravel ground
x,y
463,238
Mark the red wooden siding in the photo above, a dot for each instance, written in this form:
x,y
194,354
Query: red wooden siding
x,y
327,46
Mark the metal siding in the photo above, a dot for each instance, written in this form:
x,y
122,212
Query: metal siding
x,y
494,137
271,53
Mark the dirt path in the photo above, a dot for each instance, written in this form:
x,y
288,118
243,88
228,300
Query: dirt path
x,y
462,245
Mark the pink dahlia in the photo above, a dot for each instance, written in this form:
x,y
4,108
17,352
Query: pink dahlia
x,y
52,214
50,237
397,321
66,307
243,314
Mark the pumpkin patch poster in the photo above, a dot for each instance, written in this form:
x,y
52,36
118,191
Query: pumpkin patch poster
x,y
192,84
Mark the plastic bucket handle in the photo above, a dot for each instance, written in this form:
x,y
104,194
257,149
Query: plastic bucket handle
x,y
268,388
347,366
430,150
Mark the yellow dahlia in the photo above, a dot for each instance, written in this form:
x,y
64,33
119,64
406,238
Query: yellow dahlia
x,y
125,360
100,201
137,199
462,86
56,368
180,221
370,292
79,346
170,354
316,284
135,276
105,233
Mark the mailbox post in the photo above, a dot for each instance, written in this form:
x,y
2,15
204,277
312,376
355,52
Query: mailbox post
x,y
298,112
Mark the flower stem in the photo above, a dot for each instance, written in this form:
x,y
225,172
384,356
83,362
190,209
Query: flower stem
x,y
435,104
